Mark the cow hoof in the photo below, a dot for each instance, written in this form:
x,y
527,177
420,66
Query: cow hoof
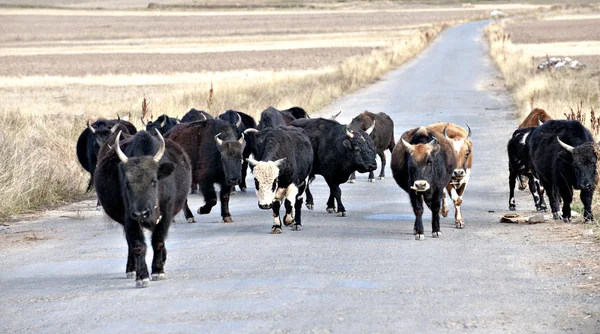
x,y
460,225
352,181
556,216
159,277
371,180
297,227
436,234
419,236
243,189
330,210
227,219
567,219
381,178
512,208
191,220
341,214
444,213
310,206
276,230
203,210
142,283
288,220
130,275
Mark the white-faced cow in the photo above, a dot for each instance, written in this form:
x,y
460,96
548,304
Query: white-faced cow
x,y
462,147
564,156
93,137
142,183
215,153
282,166
338,152
519,167
423,167
242,122
381,129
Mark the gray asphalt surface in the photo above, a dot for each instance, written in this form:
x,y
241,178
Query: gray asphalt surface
x,y
363,273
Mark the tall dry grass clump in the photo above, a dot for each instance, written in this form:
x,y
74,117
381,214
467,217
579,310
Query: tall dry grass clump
x,y
38,162
556,91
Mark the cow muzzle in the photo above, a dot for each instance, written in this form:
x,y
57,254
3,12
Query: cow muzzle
x,y
265,206
420,186
459,174
233,182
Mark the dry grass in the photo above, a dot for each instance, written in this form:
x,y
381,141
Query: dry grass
x,y
39,166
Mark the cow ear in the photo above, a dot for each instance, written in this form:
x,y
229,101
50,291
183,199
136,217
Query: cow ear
x,y
165,169
347,144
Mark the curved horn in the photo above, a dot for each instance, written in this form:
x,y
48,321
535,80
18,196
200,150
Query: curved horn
x,y
370,129
120,153
177,120
445,134
335,116
469,135
565,146
161,150
540,121
204,116
433,141
164,122
239,122
91,127
348,133
250,130
252,161
279,162
241,140
142,119
409,147
114,128
118,117
219,141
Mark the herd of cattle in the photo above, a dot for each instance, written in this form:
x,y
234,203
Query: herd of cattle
x,y
142,178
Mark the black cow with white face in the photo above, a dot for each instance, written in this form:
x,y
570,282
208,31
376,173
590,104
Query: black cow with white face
x,y
242,122
163,124
338,152
281,169
423,167
565,156
215,152
519,167
93,137
142,183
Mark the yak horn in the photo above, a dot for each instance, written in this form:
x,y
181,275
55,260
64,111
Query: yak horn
x,y
540,121
565,146
370,129
335,116
161,150
91,127
118,117
114,128
204,116
252,162
241,140
120,153
469,135
164,122
433,141
219,141
348,133
446,134
279,162
239,122
409,147
250,130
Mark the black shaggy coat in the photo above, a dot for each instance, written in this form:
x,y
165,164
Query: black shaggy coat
x,y
248,122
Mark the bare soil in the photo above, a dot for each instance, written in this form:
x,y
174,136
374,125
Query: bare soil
x,y
554,31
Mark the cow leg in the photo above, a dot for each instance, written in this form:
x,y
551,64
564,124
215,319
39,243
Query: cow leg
x,y
550,188
336,193
210,197
298,208
512,182
158,246
224,197
586,197
290,197
243,186
383,163
456,195
352,178
540,191
371,176
137,245
566,193
534,193
444,209
193,188
189,216
417,203
435,214
130,268
310,203
276,228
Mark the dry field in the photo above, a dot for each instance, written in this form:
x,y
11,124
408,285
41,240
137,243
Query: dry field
x,y
62,66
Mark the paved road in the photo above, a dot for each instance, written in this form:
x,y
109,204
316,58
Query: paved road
x,y
362,273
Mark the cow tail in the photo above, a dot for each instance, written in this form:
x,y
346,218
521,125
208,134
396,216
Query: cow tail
x,y
392,144
90,185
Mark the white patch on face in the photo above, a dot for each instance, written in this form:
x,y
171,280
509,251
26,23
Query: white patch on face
x,y
524,139
265,172
458,144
